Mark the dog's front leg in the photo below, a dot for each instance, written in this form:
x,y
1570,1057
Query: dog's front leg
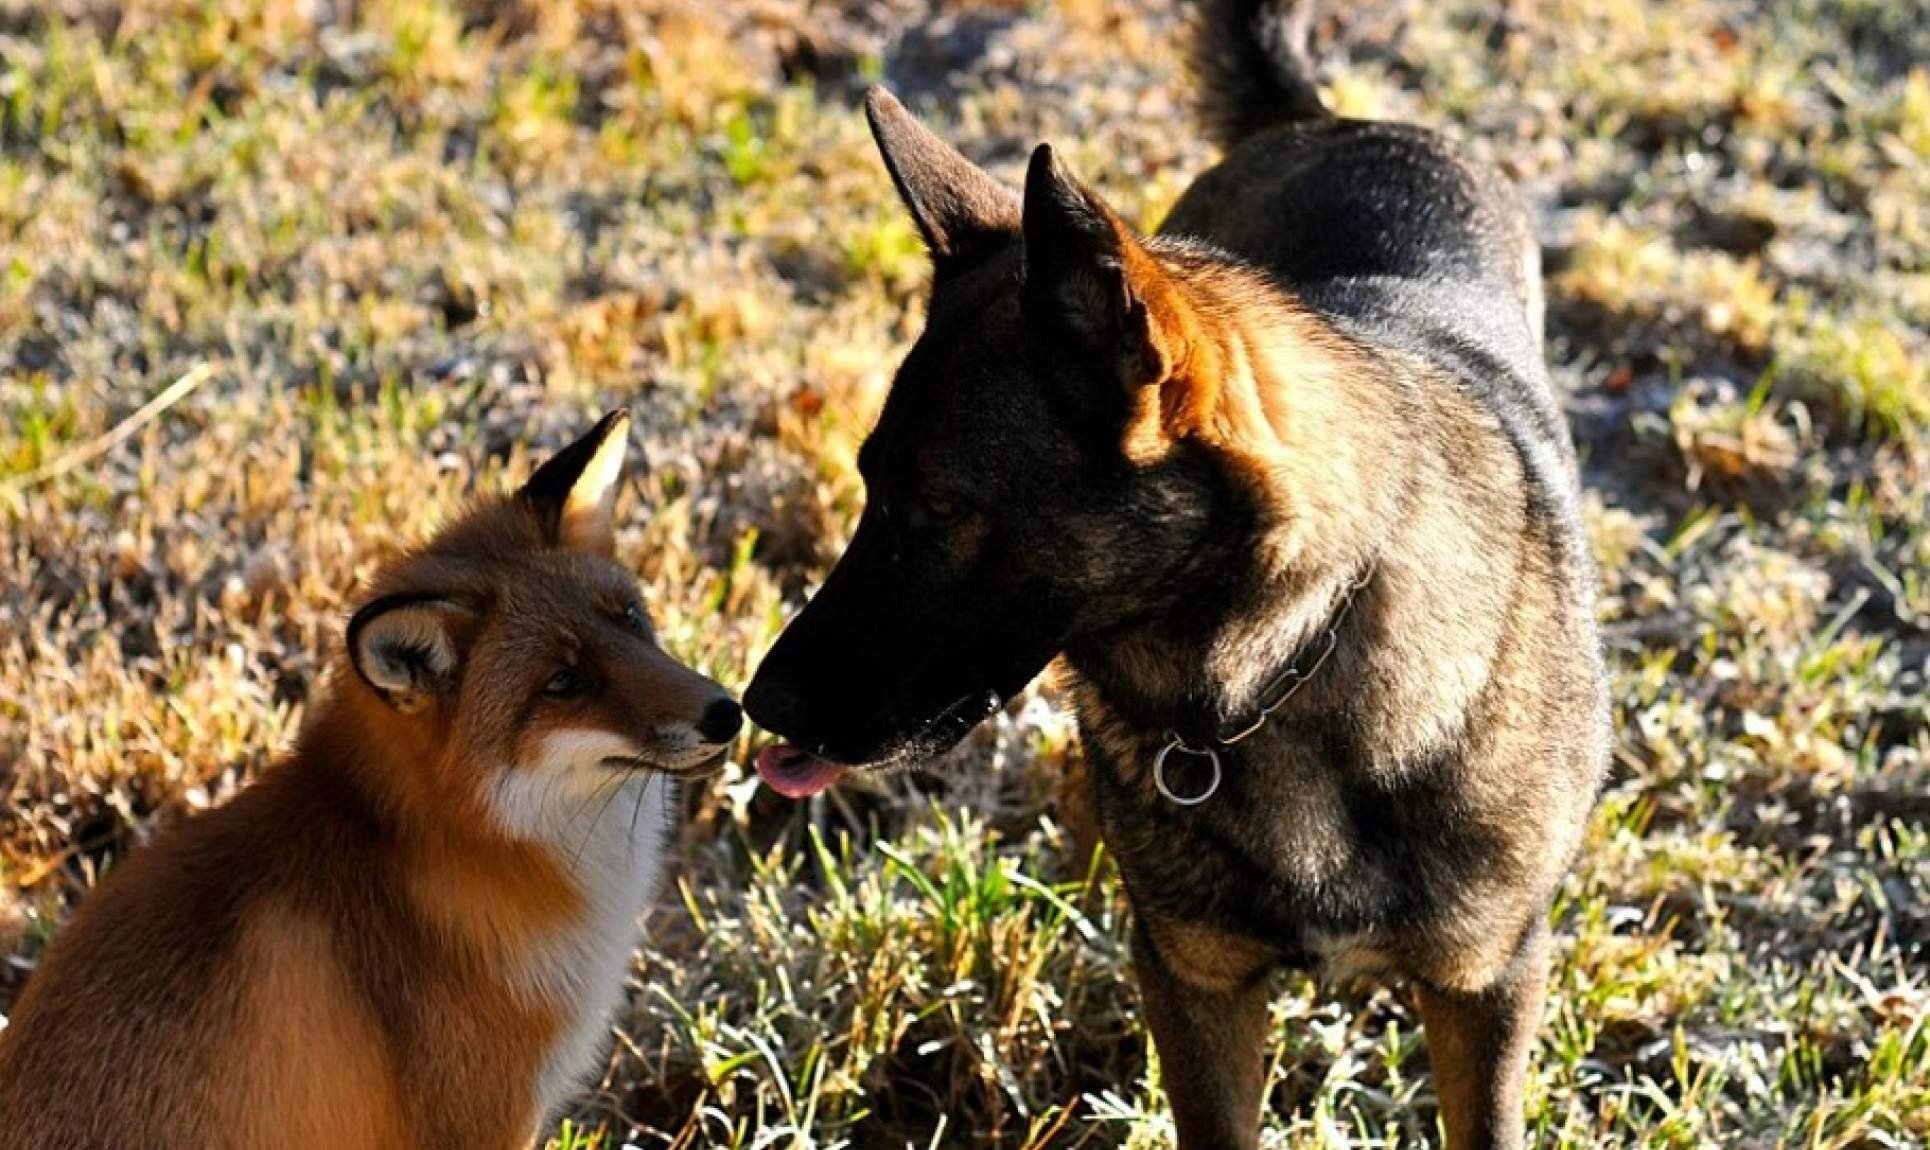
x,y
1209,1023
1478,1044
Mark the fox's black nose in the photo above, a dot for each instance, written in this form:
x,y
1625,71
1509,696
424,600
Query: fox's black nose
x,y
721,722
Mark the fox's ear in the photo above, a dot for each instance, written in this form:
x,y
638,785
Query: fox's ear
x,y
1089,279
406,647
960,209
575,493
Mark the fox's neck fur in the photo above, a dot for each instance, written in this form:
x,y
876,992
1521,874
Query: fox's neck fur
x,y
482,889
537,886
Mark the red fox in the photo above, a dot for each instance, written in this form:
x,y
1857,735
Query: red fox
x,y
414,930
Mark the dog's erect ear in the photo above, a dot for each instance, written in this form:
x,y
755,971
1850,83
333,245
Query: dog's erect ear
x,y
961,210
407,648
1089,279
575,493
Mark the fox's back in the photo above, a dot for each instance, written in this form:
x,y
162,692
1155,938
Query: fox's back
x,y
214,943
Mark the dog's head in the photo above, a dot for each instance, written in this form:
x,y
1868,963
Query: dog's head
x,y
1054,449
516,654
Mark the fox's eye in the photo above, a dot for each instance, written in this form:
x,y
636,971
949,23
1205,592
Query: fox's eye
x,y
565,684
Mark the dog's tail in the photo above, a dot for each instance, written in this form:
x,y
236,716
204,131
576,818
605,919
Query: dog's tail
x,y
1251,67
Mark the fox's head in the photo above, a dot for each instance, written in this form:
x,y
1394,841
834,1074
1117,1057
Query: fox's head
x,y
510,662
1072,446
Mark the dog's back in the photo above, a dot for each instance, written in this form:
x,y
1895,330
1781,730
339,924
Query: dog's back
x,y
1323,201
1384,230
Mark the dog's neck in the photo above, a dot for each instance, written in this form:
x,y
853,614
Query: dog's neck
x,y
1303,442
1196,671
1332,488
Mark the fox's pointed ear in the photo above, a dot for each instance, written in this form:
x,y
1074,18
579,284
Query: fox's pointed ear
x,y
575,493
960,209
407,648
1089,279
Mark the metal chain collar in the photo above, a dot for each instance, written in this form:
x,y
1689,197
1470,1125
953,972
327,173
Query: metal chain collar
x,y
1284,686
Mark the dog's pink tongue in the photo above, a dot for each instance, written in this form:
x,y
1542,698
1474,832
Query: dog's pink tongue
x,y
795,773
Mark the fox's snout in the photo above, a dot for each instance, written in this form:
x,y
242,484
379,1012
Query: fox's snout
x,y
683,717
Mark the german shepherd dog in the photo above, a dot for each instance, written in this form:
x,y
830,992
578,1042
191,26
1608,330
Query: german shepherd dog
x,y
1287,488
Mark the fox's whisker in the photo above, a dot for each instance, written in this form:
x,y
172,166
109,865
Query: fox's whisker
x,y
615,788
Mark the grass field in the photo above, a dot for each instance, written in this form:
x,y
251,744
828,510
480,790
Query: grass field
x,y
397,248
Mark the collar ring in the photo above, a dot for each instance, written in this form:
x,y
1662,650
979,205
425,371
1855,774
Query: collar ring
x,y
1212,757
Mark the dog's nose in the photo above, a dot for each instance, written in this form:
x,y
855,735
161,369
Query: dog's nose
x,y
774,705
721,722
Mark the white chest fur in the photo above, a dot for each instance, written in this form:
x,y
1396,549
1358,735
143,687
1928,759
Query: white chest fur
x,y
609,840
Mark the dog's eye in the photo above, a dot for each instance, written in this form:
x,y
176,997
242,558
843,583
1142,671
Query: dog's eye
x,y
565,684
940,509
634,619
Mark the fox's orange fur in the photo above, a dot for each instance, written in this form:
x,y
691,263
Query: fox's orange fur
x,y
412,931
